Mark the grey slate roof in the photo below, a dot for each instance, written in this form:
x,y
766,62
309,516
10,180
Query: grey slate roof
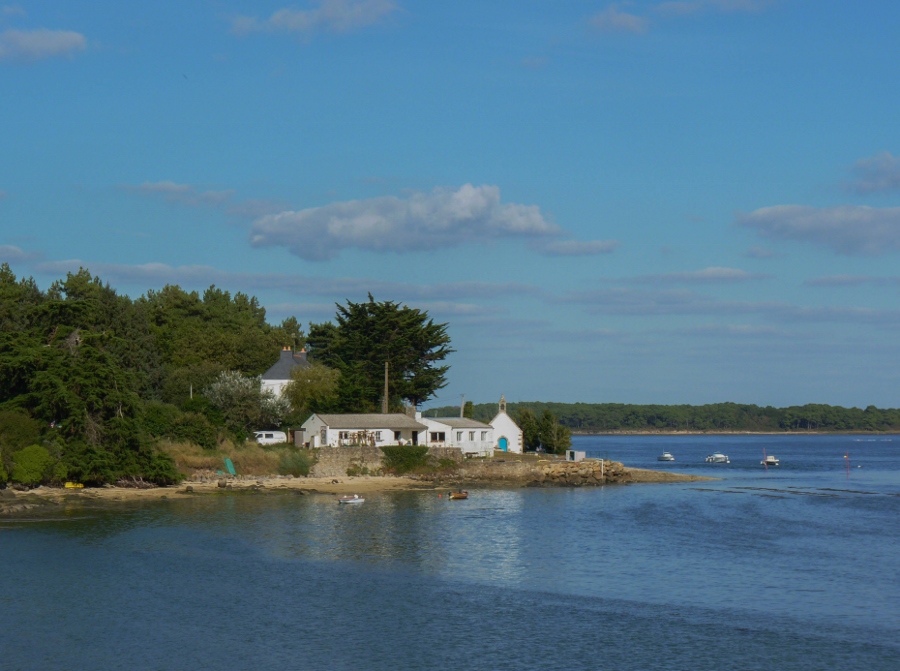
x,y
461,422
392,421
281,369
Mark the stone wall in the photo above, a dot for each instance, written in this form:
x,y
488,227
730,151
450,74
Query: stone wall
x,y
334,462
555,473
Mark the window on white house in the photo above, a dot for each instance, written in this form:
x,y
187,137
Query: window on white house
x,y
397,435
378,436
459,436
437,437
484,435
471,436
344,435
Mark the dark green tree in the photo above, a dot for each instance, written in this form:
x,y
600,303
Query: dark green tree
x,y
530,430
555,438
368,335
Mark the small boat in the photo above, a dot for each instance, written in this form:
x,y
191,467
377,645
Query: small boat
x,y
458,495
356,498
769,461
718,458
665,456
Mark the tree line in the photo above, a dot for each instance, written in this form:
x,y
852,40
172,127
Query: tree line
x,y
92,382
601,417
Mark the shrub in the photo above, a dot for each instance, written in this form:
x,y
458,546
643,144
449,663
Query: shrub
x,y
404,458
31,465
4,476
17,430
197,429
89,464
160,418
295,462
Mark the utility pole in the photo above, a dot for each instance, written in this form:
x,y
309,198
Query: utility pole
x,y
384,401
462,405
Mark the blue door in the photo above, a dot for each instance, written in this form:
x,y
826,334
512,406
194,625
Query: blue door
x,y
503,443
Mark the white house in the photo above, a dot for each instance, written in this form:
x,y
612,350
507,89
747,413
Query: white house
x,y
473,438
507,434
279,374
363,429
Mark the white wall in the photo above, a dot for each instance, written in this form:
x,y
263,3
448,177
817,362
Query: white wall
x,y
338,437
475,445
505,427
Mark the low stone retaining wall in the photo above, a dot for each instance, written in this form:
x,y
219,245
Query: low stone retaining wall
x,y
555,473
334,462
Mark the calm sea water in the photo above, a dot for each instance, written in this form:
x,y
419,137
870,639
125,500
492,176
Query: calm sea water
x,y
792,568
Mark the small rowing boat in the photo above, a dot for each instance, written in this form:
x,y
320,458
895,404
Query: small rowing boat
x,y
459,495
356,498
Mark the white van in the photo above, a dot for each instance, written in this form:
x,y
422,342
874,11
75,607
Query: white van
x,y
270,437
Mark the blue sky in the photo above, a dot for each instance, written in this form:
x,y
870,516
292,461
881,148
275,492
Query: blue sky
x,y
647,202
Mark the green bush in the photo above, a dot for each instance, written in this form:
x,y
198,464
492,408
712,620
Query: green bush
x,y
4,476
160,419
163,420
295,462
89,464
404,458
31,465
17,430
196,428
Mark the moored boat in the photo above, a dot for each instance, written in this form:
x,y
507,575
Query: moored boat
x,y
718,458
459,495
769,461
356,498
665,456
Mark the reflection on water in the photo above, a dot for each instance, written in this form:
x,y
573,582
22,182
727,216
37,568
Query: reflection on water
x,y
789,570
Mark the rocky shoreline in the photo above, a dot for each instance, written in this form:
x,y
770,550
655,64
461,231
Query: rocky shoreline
x,y
502,473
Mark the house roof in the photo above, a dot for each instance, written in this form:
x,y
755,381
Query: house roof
x,y
461,422
288,361
393,421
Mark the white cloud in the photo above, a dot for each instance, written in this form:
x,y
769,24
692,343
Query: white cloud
x,y
847,229
679,302
711,275
686,7
33,45
612,20
339,16
184,194
157,274
423,221
874,174
851,281
11,253
735,330
576,247
759,253
627,301
12,10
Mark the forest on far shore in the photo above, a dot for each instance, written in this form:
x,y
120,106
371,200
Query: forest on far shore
x,y
603,417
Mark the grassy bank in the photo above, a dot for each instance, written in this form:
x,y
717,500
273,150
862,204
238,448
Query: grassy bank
x,y
249,458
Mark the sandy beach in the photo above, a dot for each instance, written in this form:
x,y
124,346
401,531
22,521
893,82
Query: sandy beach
x,y
16,502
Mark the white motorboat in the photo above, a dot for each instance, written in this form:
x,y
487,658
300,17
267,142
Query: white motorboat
x,y
665,456
718,458
356,498
769,461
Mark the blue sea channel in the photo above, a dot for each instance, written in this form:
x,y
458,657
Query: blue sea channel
x,y
794,567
